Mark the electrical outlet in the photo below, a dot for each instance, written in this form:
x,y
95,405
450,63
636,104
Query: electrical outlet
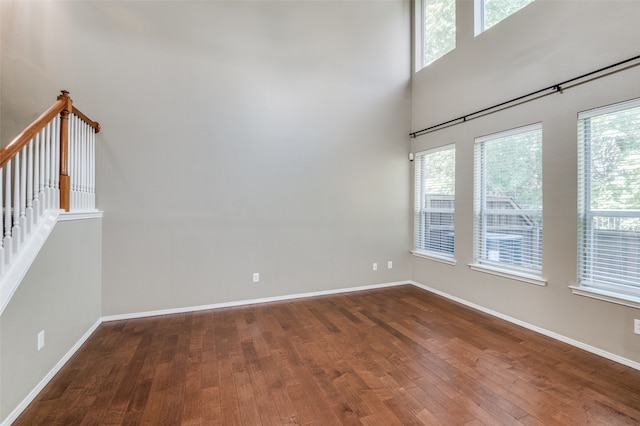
x,y
375,266
41,340
636,326
256,277
389,264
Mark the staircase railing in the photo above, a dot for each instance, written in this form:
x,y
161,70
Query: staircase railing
x,y
50,166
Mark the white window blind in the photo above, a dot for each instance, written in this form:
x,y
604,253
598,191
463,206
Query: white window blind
x,y
439,29
434,202
508,200
609,198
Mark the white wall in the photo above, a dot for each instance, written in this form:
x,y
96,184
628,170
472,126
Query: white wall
x,y
60,295
238,137
543,44
270,137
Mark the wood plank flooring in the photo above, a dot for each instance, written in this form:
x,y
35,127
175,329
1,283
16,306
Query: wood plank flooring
x,y
395,356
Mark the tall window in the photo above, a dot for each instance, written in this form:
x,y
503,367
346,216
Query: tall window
x,y
609,198
434,202
438,29
490,12
508,200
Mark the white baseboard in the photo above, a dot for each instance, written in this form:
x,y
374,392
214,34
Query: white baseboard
x,y
46,379
249,301
597,351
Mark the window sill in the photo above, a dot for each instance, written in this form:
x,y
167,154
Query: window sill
x,y
530,279
607,296
435,257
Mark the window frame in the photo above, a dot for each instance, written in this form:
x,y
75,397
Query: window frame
x,y
480,213
586,286
420,32
478,17
420,209
479,24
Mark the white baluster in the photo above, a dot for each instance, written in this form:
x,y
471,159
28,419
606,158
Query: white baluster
x,y
71,166
29,195
73,171
23,195
15,232
50,160
74,163
37,180
55,163
85,165
8,243
82,141
78,162
82,151
47,164
92,172
70,147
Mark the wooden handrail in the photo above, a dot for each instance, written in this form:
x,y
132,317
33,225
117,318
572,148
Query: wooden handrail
x,y
10,149
13,147
90,122
64,107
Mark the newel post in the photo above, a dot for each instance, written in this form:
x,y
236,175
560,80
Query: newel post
x,y
65,181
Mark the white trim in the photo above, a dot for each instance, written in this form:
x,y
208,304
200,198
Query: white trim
x,y
79,215
508,274
441,259
597,351
46,379
435,149
418,36
607,296
511,132
248,302
18,269
420,31
478,17
609,109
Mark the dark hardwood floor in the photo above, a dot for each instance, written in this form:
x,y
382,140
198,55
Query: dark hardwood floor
x,y
383,357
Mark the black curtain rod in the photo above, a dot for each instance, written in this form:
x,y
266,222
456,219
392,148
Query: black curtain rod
x,y
556,88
